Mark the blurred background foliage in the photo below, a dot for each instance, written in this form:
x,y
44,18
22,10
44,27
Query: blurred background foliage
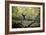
x,y
30,12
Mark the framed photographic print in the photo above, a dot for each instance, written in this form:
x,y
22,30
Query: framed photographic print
x,y
24,17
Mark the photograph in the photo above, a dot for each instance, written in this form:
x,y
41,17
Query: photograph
x,y
24,17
